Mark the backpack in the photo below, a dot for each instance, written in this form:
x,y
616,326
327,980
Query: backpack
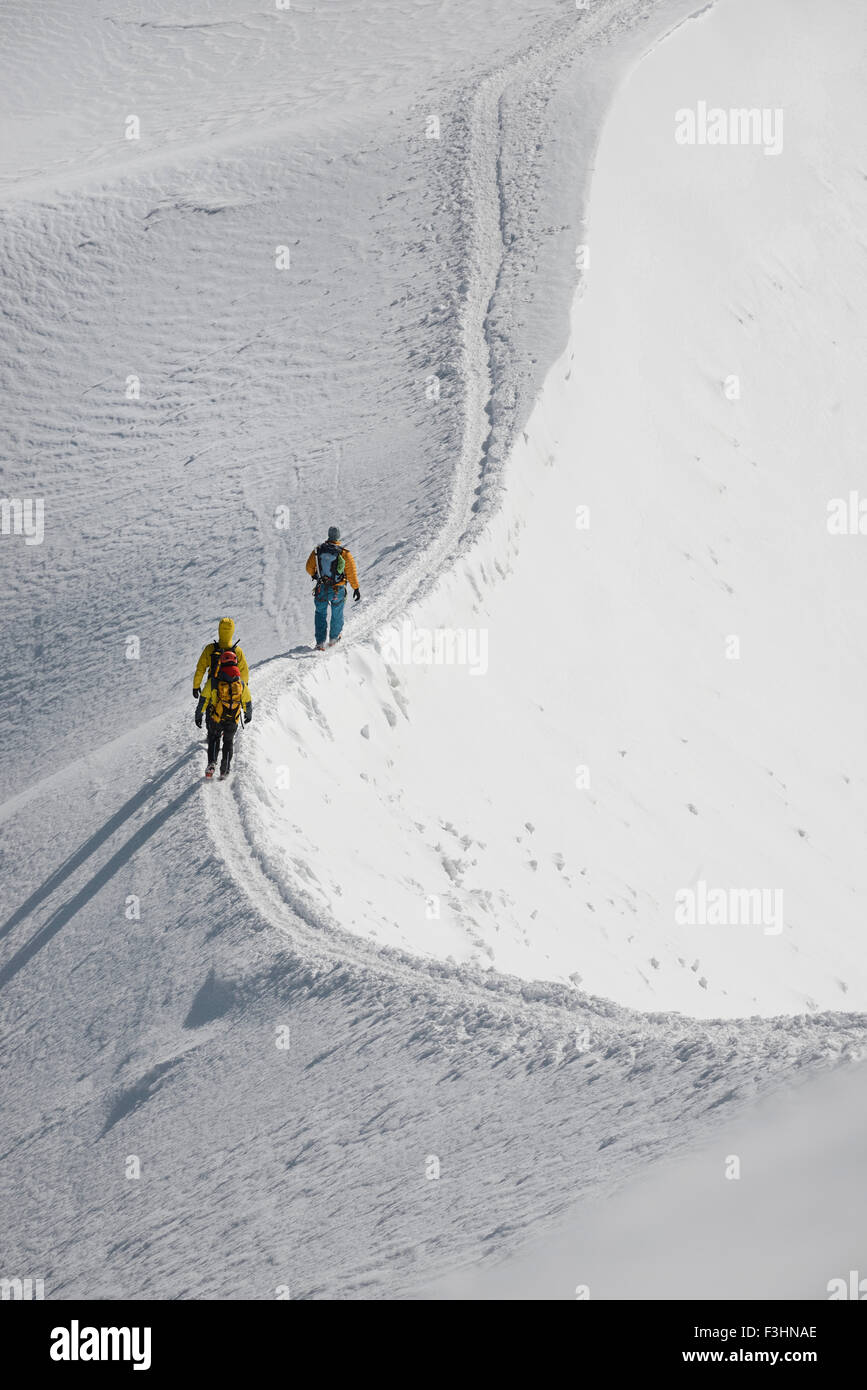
x,y
229,689
216,657
330,564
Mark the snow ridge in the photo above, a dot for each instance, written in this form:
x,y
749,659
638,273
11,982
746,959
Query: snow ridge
x,y
475,511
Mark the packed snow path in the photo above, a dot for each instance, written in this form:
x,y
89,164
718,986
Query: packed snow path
x,y
620,743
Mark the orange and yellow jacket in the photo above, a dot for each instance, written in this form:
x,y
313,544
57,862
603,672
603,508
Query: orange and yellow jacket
x,y
225,633
350,574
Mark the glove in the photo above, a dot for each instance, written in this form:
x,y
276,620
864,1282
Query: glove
x,y
196,692
198,718
356,594
248,715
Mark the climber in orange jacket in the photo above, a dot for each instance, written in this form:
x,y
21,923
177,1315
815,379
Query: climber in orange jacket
x,y
331,567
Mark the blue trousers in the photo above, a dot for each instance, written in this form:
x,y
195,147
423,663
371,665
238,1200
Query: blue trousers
x,y
337,599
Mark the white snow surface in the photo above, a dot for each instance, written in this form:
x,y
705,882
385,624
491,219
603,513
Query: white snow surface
x,y
537,809
718,1222
456,945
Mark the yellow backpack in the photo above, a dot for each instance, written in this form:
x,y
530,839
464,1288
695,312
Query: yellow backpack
x,y
229,690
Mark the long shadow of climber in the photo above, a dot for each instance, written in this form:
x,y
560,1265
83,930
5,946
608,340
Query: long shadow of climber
x,y
59,918
98,838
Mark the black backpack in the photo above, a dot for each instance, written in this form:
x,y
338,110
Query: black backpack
x,y
216,656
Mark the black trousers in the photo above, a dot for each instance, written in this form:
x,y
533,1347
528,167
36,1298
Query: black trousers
x,y
216,732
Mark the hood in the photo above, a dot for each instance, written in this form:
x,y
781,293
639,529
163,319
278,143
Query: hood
x,y
226,632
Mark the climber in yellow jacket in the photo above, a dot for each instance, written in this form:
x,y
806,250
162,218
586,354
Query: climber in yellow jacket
x,y
224,696
332,567
210,658
223,699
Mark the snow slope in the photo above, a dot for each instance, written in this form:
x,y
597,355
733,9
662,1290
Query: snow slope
x,y
194,417
142,994
587,749
752,1215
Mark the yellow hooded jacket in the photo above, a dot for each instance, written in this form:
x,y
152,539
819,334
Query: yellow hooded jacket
x,y
350,573
225,633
